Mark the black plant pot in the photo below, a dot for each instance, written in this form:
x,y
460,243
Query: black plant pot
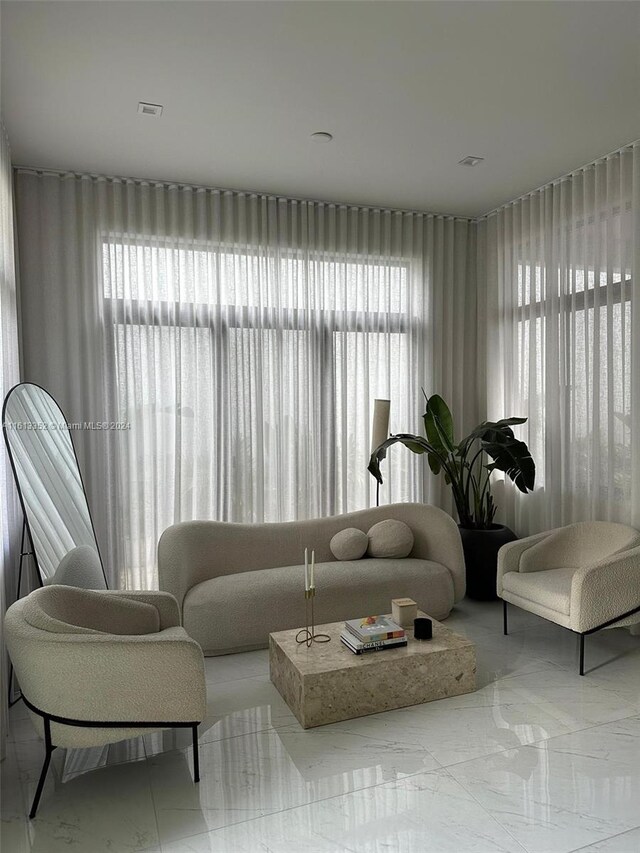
x,y
481,558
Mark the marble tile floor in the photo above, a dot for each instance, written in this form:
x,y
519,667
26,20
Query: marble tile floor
x,y
536,760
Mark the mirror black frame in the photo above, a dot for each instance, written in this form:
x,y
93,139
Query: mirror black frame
x,y
25,516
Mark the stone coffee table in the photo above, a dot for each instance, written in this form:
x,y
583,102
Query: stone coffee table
x,y
327,683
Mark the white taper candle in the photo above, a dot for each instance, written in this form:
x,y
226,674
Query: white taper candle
x,y
306,569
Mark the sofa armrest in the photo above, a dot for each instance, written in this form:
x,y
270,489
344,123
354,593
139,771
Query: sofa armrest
x,y
437,538
164,602
107,678
509,555
187,554
605,590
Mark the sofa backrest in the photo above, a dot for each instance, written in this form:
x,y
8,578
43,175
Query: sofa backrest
x,y
195,551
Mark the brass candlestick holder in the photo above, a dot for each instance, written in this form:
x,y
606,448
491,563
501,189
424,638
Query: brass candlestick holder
x,y
307,635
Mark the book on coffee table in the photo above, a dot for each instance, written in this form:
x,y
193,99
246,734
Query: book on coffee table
x,y
358,647
374,629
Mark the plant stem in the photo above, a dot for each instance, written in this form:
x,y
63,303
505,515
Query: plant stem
x,y
470,478
484,491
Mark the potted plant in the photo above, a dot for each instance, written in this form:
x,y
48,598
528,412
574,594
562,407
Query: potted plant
x,y
467,466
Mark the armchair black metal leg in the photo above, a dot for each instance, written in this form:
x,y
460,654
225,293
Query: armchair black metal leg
x,y
581,654
43,775
196,760
504,618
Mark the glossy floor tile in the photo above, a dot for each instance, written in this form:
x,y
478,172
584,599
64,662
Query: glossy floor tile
x,y
626,842
105,810
567,792
428,811
14,828
537,759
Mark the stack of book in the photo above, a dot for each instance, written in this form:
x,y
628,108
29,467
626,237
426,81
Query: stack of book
x,y
372,634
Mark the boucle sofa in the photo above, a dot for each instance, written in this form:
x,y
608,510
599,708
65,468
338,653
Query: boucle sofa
x,y
236,583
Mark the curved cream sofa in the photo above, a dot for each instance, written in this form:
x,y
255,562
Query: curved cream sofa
x,y
236,583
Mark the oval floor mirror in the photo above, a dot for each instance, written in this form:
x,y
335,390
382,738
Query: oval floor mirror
x,y
54,502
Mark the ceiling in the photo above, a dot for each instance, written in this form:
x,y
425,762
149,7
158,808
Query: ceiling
x,y
407,90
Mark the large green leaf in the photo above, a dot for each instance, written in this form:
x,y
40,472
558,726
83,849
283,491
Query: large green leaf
x,y
506,422
415,443
489,428
514,458
438,424
434,463
508,453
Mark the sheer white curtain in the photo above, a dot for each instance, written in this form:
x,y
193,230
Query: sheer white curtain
x,y
9,375
239,340
563,326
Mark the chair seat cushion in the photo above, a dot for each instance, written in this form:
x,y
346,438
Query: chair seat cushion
x,y
550,588
238,611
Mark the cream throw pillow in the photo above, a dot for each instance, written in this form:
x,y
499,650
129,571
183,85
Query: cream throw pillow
x,y
349,544
390,538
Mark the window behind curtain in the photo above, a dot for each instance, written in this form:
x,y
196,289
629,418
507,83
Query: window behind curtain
x,y
248,379
588,331
565,263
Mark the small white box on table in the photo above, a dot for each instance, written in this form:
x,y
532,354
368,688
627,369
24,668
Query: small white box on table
x,y
404,611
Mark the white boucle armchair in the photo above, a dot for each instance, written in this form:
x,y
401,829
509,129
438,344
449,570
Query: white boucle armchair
x,y
585,577
98,666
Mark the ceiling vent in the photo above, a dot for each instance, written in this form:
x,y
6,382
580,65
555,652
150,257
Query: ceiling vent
x,y
149,109
470,161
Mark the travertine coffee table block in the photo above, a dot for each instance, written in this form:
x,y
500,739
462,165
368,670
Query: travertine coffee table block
x,y
327,683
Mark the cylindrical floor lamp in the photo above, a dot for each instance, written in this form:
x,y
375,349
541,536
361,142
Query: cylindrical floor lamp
x,y
379,431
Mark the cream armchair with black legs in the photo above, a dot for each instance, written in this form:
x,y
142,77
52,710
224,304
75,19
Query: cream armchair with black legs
x,y
585,577
98,666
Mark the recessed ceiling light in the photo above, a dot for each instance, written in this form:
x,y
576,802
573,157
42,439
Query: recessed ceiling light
x,y
149,109
470,161
322,136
